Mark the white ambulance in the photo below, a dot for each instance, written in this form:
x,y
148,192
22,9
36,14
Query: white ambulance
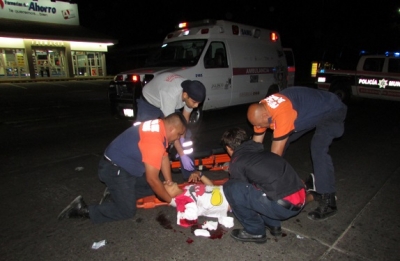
x,y
237,63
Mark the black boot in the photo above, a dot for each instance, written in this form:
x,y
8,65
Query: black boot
x,y
77,209
275,231
242,235
326,207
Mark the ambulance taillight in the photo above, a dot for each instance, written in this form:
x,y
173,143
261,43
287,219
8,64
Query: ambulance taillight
x,y
134,78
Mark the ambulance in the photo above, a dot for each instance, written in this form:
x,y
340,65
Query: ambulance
x,y
237,63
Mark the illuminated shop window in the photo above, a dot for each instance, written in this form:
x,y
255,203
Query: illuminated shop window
x,y
13,63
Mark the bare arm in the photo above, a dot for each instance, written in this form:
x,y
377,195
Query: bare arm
x,y
195,176
152,177
259,138
278,146
206,180
166,168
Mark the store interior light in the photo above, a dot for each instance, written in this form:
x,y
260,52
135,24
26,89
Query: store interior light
x,y
91,43
9,40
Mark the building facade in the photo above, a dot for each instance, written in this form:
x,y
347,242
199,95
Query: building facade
x,y
43,39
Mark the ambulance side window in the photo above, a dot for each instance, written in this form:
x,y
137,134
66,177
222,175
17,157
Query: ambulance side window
x,y
216,56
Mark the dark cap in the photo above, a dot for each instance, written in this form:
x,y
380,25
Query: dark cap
x,y
194,89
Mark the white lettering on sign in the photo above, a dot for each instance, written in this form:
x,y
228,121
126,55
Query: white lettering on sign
x,y
367,81
47,43
274,101
382,83
394,83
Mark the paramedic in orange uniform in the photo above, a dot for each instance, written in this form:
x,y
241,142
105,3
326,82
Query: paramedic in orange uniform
x,y
294,112
130,169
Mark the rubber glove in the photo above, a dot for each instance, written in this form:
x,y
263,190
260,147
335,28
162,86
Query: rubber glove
x,y
187,163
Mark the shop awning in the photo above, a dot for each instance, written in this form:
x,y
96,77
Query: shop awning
x,y
35,30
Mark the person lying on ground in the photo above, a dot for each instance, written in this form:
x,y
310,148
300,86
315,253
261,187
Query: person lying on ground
x,y
198,199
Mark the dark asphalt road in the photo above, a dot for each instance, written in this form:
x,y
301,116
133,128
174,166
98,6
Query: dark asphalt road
x,y
39,177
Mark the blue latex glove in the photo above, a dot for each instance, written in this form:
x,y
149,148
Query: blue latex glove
x,y
187,163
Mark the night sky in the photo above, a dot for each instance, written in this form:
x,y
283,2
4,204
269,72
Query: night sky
x,y
310,27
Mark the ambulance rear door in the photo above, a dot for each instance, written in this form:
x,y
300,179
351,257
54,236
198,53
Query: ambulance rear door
x,y
256,66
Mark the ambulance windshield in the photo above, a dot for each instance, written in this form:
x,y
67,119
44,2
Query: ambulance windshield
x,y
179,53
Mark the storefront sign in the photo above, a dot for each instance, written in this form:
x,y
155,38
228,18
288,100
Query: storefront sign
x,y
49,12
48,43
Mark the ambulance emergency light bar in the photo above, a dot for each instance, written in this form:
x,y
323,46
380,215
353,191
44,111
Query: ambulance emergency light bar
x,y
256,33
196,23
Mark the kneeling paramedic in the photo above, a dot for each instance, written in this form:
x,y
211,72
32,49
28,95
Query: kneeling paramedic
x,y
130,169
263,189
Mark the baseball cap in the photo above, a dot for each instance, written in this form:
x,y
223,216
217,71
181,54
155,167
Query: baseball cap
x,y
194,89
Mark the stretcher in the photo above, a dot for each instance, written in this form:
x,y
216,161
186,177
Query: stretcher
x,y
213,160
153,201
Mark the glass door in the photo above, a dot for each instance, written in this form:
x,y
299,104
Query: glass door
x,y
95,63
57,63
79,63
49,62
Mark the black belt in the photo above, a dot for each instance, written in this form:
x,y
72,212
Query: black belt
x,y
109,160
289,205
